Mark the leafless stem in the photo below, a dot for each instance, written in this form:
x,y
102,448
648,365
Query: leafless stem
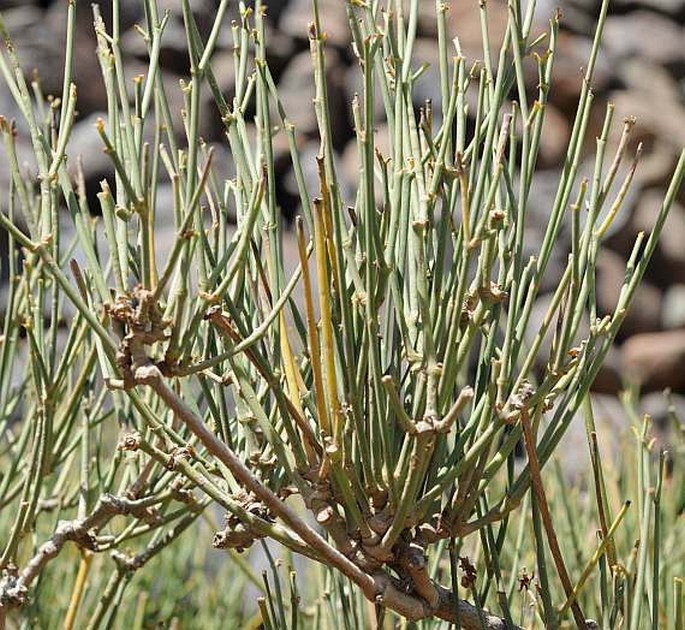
x,y
151,376
378,587
539,490
81,531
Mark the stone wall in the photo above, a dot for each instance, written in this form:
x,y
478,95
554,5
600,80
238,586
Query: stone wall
x,y
641,70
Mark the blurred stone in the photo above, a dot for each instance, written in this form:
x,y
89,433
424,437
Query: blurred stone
x,y
19,16
464,21
673,8
573,52
280,49
130,12
427,20
85,151
669,266
275,9
11,4
608,380
668,263
673,235
354,86
10,111
664,410
576,17
39,38
611,427
427,86
656,164
655,361
27,166
223,165
38,46
653,124
659,127
589,7
673,310
173,53
210,126
297,91
351,160
308,154
644,314
643,75
295,21
554,139
645,34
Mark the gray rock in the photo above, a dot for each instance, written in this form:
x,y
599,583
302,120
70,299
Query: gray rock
x,y
664,410
37,45
669,265
427,87
647,77
654,124
645,34
86,145
11,4
130,12
573,52
672,8
673,310
644,314
295,21
556,132
27,166
673,236
579,17
297,91
610,422
308,154
351,160
608,380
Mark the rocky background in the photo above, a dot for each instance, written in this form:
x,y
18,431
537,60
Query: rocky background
x,y
641,70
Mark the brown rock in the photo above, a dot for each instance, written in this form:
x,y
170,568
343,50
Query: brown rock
x,y
655,361
464,20
608,379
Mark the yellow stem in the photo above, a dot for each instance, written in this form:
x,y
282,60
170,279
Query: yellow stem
x,y
313,334
326,319
79,587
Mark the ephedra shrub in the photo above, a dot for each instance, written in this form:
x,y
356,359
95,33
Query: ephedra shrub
x,y
360,409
